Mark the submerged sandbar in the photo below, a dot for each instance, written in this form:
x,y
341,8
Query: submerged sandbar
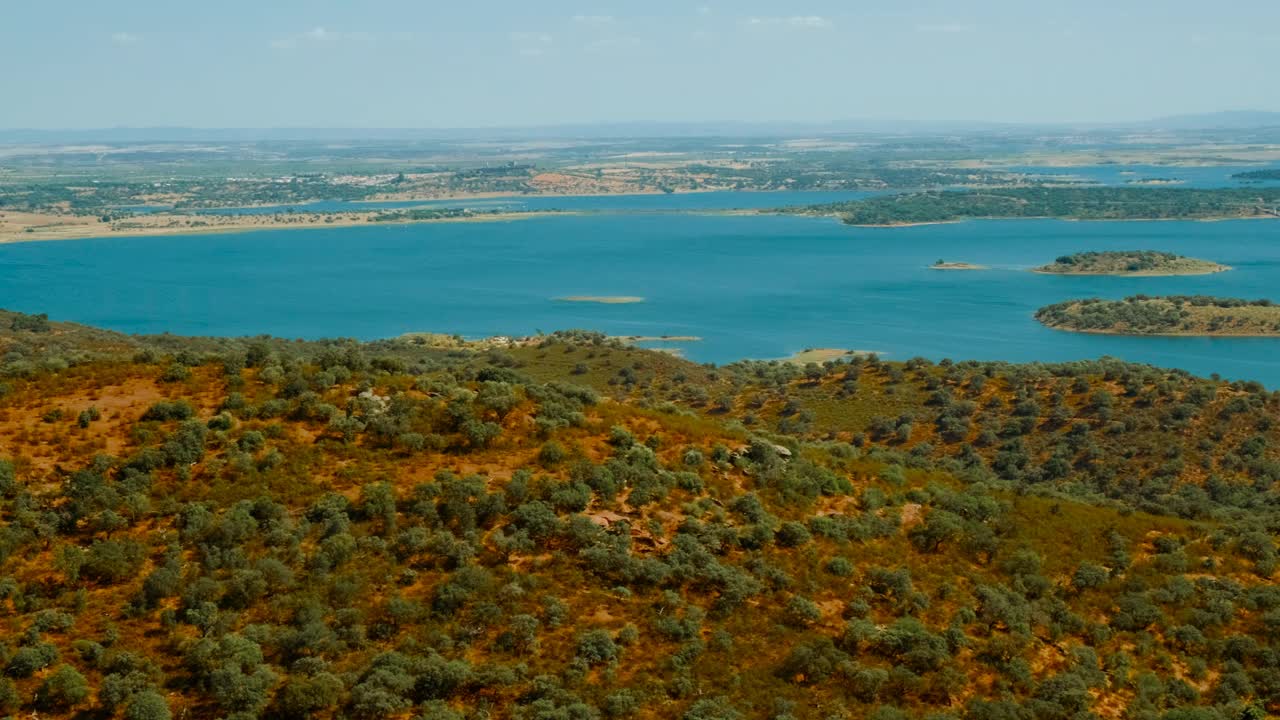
x,y
602,299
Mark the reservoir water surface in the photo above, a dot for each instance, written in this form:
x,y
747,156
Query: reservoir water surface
x,y
749,286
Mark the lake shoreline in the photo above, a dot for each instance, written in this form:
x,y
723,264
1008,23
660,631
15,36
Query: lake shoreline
x,y
1140,273
99,232
884,226
1124,333
823,355
1197,316
51,227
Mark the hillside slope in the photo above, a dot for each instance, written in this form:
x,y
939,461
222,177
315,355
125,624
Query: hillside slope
x,y
573,528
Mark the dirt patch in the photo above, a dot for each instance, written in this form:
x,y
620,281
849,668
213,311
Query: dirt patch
x,y
912,515
40,428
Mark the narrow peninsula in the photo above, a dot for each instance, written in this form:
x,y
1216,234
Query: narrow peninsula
x,y
1149,263
1178,315
37,226
1066,203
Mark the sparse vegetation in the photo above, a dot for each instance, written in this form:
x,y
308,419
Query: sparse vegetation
x,y
342,529
1077,203
1170,315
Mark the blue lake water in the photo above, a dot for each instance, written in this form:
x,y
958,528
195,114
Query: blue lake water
x,y
751,286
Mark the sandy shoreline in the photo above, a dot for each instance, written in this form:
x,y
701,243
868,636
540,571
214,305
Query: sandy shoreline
x,y
48,227
249,223
1140,273
920,224
410,197
821,355
655,338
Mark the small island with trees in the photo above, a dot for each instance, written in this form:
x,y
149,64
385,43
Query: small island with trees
x,y
949,265
1130,263
1186,315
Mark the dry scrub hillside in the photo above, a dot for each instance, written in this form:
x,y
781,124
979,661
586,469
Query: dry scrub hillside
x,y
204,528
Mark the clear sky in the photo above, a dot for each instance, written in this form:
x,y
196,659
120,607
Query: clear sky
x,y
480,63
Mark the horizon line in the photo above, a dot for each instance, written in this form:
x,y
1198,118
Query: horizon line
x,y
939,123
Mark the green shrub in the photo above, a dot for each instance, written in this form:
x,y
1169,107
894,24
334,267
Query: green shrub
x,y
596,647
840,567
717,708
164,410
8,479
64,689
112,561
176,372
1089,576
30,659
9,699
30,323
147,705
552,453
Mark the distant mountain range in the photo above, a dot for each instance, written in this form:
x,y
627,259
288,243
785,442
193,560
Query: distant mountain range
x,y
1228,120
593,131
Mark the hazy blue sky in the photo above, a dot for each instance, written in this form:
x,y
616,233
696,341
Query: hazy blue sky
x,y
429,63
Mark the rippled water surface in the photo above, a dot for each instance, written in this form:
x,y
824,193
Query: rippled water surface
x,y
750,286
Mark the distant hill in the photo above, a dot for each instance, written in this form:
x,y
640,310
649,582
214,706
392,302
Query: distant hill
x,y
583,131
1228,120
905,126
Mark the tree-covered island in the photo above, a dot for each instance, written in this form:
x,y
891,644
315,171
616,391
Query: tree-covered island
x,y
1129,262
